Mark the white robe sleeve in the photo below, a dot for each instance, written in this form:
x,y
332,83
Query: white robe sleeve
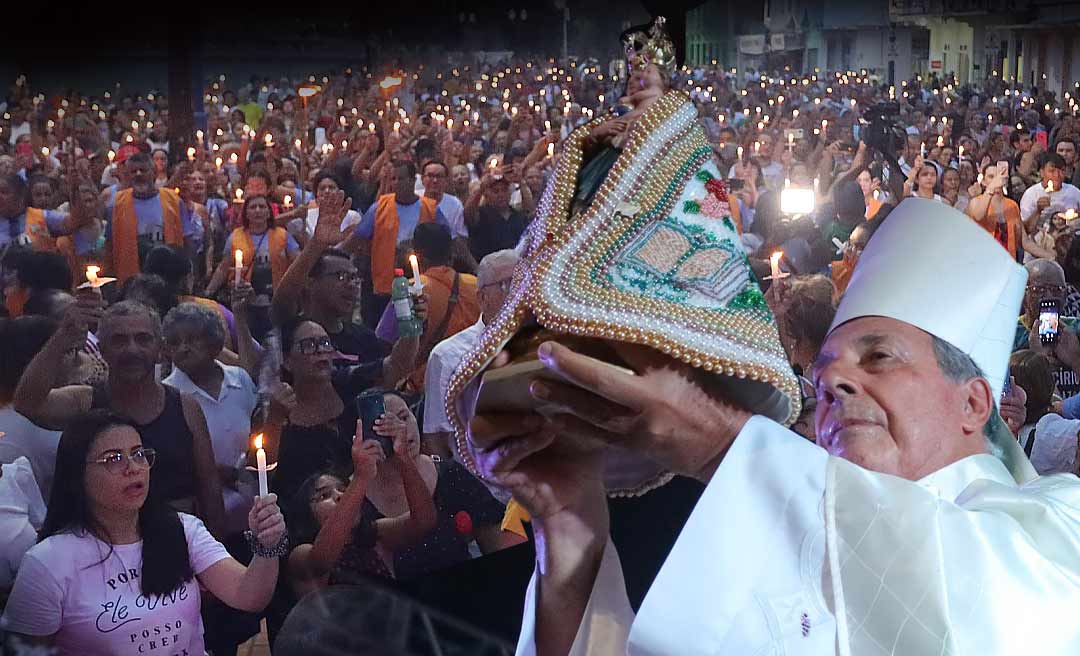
x,y
608,616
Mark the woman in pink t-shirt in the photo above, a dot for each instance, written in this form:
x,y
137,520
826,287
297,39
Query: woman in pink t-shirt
x,y
115,572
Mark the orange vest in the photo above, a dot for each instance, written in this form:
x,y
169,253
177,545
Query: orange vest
x,y
41,240
872,207
384,241
840,271
278,242
438,282
125,229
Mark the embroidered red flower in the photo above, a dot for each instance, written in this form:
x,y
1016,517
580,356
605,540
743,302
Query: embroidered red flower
x,y
717,188
463,523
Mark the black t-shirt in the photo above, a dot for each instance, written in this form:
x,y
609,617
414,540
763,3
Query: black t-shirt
x,y
494,233
456,492
308,450
360,341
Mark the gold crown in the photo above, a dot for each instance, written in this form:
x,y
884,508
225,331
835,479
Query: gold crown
x,y
652,47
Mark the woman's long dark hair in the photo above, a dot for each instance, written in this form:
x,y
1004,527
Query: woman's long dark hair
x,y
303,527
166,562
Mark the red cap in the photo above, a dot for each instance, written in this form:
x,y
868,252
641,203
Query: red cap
x,y
399,272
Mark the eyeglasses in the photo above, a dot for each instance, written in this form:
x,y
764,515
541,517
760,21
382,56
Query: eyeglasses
x,y
313,345
116,462
503,285
344,276
1046,290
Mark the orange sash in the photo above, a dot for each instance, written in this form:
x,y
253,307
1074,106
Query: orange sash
x,y
438,282
384,240
125,229
278,242
37,229
872,207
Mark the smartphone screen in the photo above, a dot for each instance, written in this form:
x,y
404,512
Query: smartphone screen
x,y
1049,315
369,407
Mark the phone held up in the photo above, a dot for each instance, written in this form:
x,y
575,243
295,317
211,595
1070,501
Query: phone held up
x,y
1049,315
369,407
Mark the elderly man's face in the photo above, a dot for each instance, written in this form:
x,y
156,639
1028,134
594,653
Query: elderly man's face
x,y
884,404
1045,281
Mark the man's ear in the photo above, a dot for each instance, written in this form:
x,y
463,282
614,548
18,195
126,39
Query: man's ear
x,y
978,400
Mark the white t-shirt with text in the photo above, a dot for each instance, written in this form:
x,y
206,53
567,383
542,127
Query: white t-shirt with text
x,y
70,586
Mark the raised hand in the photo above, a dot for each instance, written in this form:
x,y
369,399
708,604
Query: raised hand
x,y
266,521
366,455
332,211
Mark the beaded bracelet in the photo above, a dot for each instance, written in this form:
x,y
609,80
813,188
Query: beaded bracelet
x,y
277,551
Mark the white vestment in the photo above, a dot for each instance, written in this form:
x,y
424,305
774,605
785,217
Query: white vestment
x,y
791,551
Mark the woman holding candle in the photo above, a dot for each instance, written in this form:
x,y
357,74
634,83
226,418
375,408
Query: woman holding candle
x,y
997,214
922,181
951,190
265,251
106,544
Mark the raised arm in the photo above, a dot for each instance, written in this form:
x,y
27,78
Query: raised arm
x,y
336,533
328,232
250,588
396,533
37,396
472,205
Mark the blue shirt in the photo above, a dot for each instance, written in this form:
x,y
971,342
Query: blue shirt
x,y
408,217
13,230
151,225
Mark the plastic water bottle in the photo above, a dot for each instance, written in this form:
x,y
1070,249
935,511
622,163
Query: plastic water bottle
x,y
407,324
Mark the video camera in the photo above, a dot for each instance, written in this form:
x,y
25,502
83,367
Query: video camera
x,y
882,131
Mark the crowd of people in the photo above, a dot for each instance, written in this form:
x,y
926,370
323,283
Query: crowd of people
x,y
256,293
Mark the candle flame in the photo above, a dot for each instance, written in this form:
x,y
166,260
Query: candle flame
x,y
259,441
774,259
239,194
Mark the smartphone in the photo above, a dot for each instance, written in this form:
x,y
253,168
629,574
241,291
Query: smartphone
x,y
369,407
1049,315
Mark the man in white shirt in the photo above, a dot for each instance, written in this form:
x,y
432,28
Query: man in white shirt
x,y
1051,195
492,284
919,528
435,177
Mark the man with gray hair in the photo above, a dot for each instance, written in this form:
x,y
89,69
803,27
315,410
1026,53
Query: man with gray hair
x,y
173,424
915,526
492,284
194,338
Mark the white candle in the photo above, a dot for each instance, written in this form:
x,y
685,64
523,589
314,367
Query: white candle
x,y
774,263
739,152
260,463
417,285
1050,186
288,201
551,150
922,150
91,274
191,154
239,265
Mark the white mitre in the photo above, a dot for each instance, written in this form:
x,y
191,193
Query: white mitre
x,y
932,267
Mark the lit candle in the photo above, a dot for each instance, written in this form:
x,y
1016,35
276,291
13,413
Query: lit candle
x,y
922,149
199,135
45,152
397,127
774,264
288,201
260,463
239,195
739,152
795,114
1050,186
551,149
961,153
449,124
371,127
1070,214
238,260
940,141
790,141
417,285
191,154
91,274
824,126
112,156
269,139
